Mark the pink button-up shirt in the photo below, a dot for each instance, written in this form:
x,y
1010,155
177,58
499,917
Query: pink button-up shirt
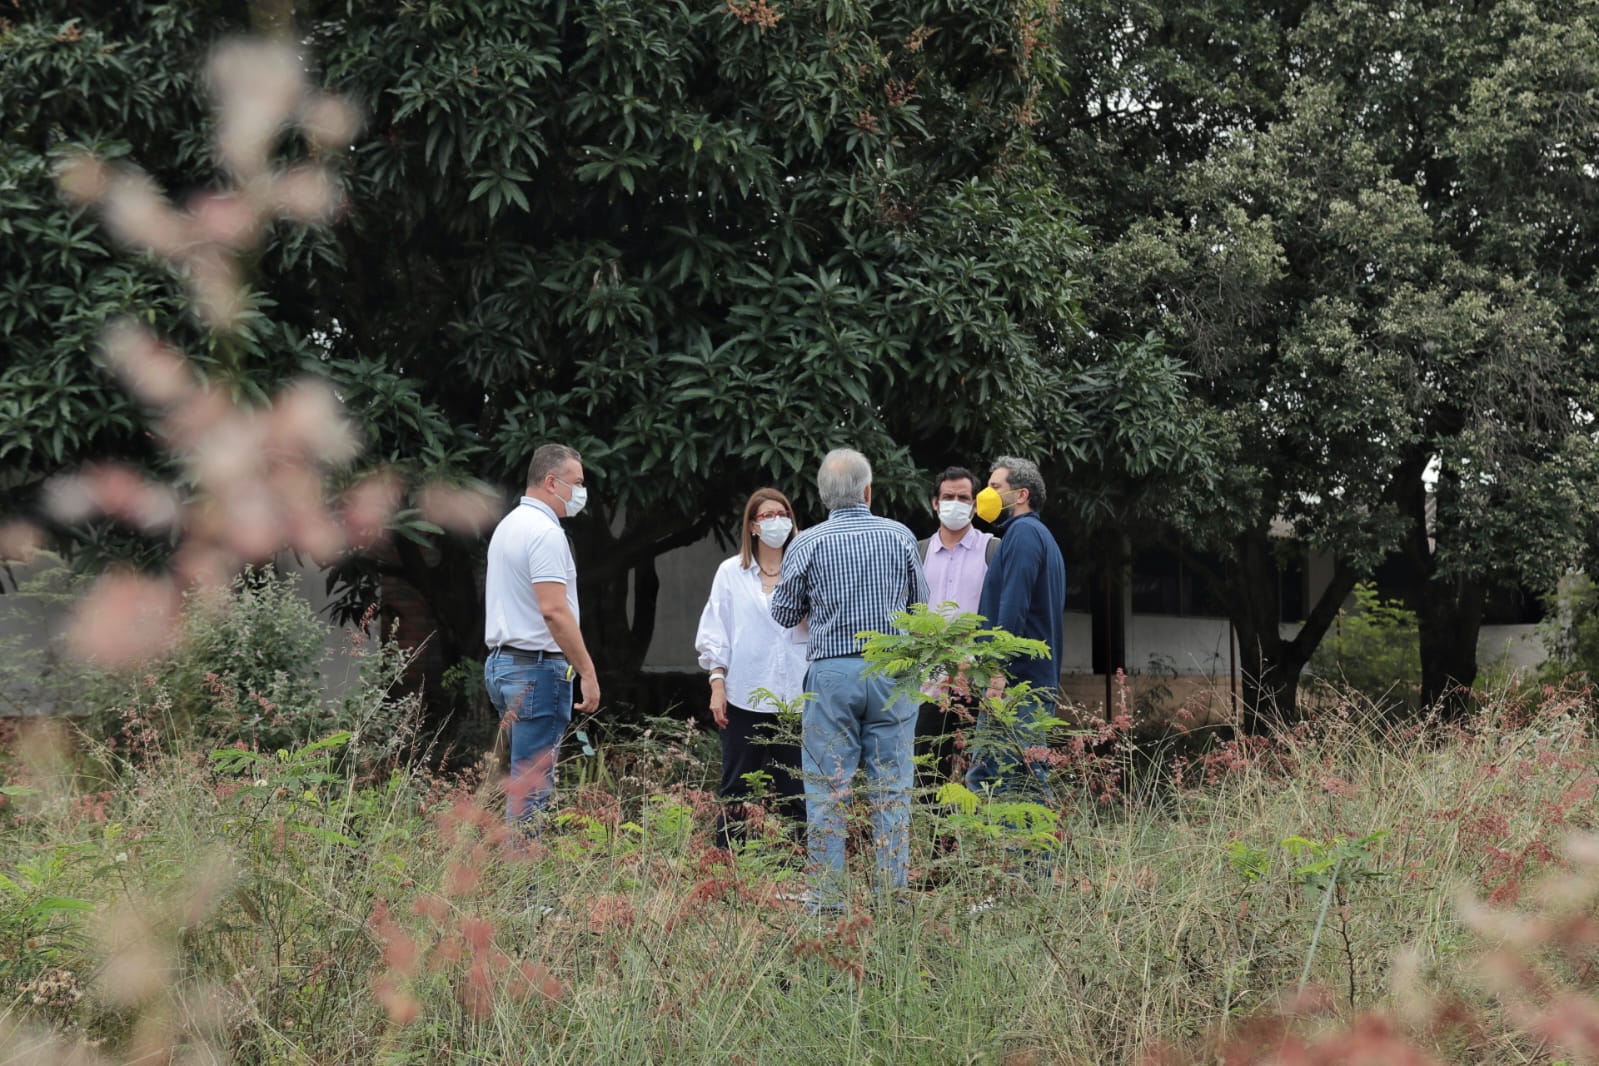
x,y
956,574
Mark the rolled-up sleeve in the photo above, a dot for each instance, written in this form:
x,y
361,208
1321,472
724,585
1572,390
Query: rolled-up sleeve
x,y
916,587
714,639
791,599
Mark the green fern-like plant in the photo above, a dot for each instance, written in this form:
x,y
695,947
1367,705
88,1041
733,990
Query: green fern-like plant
x,y
930,645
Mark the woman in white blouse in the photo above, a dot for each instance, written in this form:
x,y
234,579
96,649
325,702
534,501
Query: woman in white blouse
x,y
746,651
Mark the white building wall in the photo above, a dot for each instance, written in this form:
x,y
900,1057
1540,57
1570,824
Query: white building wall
x,y
1079,643
1158,643
1518,647
1192,646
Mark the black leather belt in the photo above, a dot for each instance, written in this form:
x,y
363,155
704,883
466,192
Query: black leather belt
x,y
528,656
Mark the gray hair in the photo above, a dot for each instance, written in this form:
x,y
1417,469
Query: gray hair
x,y
548,459
1024,475
843,478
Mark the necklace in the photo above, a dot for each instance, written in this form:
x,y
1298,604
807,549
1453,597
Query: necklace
x,y
768,573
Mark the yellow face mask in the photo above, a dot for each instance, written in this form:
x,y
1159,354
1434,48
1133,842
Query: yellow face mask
x,y
989,505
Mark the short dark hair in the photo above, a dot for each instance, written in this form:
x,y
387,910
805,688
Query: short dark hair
x,y
548,459
954,473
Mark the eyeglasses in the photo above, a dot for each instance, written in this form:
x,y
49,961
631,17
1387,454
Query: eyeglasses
x,y
764,515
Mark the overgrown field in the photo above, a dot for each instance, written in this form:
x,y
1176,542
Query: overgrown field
x,y
216,861
1346,887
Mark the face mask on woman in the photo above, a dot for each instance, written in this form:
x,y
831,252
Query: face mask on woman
x,y
774,531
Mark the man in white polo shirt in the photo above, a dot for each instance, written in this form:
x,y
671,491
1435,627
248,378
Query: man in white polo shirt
x,y
531,627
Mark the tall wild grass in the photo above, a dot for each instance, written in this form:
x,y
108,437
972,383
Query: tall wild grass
x,y
1351,892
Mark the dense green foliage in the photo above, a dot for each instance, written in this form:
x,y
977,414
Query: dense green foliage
x,y
1367,232
1371,649
1342,275
700,242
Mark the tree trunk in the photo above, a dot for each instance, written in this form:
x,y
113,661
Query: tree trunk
x,y
1449,618
611,566
1270,676
1269,665
1448,609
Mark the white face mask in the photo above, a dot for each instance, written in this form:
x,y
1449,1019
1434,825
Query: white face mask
x,y
580,496
954,514
774,531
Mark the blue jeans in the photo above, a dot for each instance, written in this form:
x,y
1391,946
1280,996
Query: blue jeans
x,y
854,722
999,753
540,694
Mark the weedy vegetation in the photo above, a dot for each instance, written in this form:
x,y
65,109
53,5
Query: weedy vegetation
x,y
206,887
205,858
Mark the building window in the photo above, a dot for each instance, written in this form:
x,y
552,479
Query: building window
x,y
1163,584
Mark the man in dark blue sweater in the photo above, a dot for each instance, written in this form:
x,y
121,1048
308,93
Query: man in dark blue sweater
x,y
1025,594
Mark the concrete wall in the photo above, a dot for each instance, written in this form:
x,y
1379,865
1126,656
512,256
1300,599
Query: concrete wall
x,y
1079,632
31,629
1156,644
685,575
1159,643
1517,646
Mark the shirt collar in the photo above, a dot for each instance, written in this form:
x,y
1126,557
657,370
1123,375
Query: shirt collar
x,y
528,501
1016,518
966,540
849,510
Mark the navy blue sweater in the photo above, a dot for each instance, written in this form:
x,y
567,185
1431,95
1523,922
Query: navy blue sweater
x,y
1025,593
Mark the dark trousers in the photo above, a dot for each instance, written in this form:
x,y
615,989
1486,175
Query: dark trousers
x,y
935,736
747,747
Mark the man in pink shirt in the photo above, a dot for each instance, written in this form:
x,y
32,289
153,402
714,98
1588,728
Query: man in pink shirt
x,y
955,560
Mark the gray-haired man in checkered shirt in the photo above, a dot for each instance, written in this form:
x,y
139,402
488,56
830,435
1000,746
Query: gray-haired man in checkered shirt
x,y
853,572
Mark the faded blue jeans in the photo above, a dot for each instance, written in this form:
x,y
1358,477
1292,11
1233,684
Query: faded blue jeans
x,y
855,723
539,691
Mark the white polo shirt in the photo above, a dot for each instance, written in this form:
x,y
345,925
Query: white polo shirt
x,y
528,547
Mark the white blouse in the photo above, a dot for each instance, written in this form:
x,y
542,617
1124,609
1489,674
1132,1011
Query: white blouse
x,y
737,633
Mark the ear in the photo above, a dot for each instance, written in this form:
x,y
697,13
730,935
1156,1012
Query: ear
x,y
868,495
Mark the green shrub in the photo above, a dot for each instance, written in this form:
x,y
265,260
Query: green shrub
x,y
1372,649
248,668
1570,634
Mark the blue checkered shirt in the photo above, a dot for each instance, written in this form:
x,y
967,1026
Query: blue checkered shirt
x,y
853,572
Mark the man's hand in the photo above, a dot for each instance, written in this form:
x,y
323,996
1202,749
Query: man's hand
x,y
508,721
996,687
719,705
591,693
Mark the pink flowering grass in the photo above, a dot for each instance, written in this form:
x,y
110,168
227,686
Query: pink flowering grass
x,y
270,908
